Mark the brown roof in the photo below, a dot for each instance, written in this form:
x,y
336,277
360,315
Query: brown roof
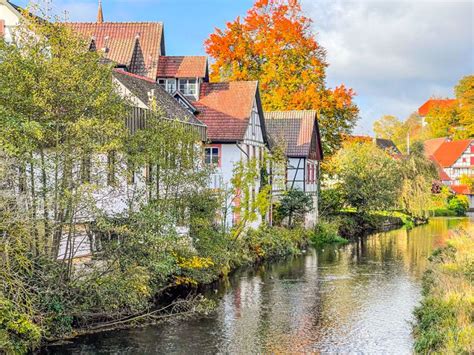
x,y
182,67
168,107
428,105
432,145
298,130
449,152
226,109
120,39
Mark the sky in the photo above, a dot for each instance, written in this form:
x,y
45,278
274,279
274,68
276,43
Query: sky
x,y
395,54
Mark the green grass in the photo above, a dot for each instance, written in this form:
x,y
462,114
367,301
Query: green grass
x,y
445,319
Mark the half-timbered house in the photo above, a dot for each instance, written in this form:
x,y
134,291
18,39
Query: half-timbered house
x,y
297,132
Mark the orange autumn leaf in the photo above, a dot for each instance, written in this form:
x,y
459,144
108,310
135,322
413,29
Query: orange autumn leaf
x,y
275,45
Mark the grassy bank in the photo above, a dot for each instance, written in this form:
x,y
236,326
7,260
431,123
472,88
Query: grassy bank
x,y
350,224
445,319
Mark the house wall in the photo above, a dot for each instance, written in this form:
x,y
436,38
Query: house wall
x,y
463,166
230,154
11,19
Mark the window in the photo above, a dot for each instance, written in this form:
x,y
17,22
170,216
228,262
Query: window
x,y
188,87
212,155
168,84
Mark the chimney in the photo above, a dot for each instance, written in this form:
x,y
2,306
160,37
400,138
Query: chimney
x,y
100,14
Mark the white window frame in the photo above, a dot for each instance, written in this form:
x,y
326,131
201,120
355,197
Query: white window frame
x,y
212,156
188,84
168,84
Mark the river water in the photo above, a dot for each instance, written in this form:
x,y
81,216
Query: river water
x,y
356,299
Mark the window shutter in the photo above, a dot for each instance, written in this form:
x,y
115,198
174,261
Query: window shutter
x,y
2,28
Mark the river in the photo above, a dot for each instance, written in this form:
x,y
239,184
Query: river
x,y
358,298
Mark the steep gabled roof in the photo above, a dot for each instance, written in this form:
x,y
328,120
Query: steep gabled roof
x,y
142,88
226,108
441,173
299,130
432,145
431,103
117,42
387,144
449,152
182,67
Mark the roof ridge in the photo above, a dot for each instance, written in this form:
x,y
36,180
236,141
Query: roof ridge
x,y
136,76
116,22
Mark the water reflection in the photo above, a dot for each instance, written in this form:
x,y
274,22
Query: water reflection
x,y
358,299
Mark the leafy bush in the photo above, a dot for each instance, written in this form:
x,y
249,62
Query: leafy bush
x,y
294,205
18,332
331,201
445,317
327,232
459,204
444,212
267,242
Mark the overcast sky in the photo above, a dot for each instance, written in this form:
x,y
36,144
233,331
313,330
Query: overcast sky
x,y
394,54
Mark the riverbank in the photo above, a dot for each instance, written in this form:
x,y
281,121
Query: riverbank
x,y
302,304
92,302
445,317
351,224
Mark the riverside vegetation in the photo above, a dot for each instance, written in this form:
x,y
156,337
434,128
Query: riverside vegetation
x,y
445,319
63,146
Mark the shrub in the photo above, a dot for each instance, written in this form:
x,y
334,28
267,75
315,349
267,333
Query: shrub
x,y
18,332
294,205
444,212
445,317
331,201
459,204
327,232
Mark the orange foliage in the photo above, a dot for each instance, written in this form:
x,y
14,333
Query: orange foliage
x,y
275,45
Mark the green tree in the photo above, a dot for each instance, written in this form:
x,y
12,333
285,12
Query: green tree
x,y
58,107
367,177
294,205
417,174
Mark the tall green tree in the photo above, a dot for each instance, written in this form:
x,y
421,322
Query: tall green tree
x,y
58,107
366,176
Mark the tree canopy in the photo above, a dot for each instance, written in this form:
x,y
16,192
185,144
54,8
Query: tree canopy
x,y
274,44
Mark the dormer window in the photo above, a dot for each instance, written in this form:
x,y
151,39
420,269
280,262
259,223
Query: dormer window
x,y
168,84
188,87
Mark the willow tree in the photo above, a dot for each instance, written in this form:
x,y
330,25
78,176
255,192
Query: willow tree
x,y
58,107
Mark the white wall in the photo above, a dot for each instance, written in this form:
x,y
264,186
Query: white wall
x,y
10,17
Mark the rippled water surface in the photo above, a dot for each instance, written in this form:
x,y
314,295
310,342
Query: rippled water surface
x,y
353,299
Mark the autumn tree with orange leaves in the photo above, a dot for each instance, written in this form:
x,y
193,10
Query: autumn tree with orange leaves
x,y
274,44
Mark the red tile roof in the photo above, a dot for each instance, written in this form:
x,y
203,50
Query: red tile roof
x,y
449,152
428,105
432,145
182,67
226,109
441,173
461,189
120,39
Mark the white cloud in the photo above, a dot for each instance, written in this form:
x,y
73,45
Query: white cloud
x,y
395,54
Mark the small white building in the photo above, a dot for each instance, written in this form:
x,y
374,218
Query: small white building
x,y
236,132
10,16
298,134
